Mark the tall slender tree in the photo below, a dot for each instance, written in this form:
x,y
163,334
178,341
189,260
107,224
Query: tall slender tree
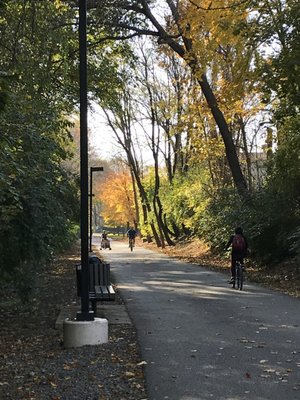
x,y
180,32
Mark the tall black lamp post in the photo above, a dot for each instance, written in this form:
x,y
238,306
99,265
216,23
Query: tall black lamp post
x,y
84,314
92,169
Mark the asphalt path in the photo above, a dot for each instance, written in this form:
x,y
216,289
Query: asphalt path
x,y
201,339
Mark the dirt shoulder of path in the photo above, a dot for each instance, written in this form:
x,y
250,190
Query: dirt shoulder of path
x,y
284,277
33,361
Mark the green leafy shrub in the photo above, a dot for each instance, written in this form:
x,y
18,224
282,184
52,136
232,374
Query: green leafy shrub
x,y
38,198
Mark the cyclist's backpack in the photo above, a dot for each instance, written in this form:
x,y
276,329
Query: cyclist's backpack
x,y
238,243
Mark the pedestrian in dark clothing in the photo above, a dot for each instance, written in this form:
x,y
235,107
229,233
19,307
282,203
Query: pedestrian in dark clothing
x,y
239,246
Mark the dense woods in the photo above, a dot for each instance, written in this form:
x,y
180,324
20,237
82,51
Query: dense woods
x,y
210,88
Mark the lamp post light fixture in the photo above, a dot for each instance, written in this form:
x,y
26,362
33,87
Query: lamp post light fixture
x,y
92,169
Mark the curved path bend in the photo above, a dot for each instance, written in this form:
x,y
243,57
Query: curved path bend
x,y
203,340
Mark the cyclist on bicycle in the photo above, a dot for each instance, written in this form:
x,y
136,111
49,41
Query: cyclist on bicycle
x,y
239,246
131,233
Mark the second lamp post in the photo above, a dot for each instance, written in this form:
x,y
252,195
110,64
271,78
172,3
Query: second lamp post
x,y
92,169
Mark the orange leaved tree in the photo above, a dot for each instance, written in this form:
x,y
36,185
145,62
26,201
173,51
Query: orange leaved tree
x,y
117,198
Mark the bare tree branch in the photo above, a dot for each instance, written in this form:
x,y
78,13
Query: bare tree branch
x,y
123,37
164,36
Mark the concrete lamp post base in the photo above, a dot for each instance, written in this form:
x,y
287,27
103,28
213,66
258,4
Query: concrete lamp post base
x,y
83,333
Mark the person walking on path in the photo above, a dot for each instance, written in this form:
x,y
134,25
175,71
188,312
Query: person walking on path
x,y
105,242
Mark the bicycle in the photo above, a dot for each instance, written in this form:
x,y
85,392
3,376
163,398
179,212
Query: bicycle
x,y
131,243
239,275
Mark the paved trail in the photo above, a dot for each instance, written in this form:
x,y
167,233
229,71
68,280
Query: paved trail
x,y
203,340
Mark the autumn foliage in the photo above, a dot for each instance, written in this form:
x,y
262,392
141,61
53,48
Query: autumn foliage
x,y
116,196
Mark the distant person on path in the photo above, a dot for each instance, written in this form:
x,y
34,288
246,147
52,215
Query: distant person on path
x,y
131,233
105,242
239,246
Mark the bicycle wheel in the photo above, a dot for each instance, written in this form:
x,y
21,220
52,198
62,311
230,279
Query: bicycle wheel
x,y
131,245
236,281
241,277
238,276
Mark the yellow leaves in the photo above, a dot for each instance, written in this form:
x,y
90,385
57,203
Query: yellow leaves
x,y
208,149
216,29
59,4
129,374
212,24
56,57
70,366
117,198
115,358
133,374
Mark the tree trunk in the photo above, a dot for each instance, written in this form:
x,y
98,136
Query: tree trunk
x,y
246,152
135,196
156,237
161,221
230,149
